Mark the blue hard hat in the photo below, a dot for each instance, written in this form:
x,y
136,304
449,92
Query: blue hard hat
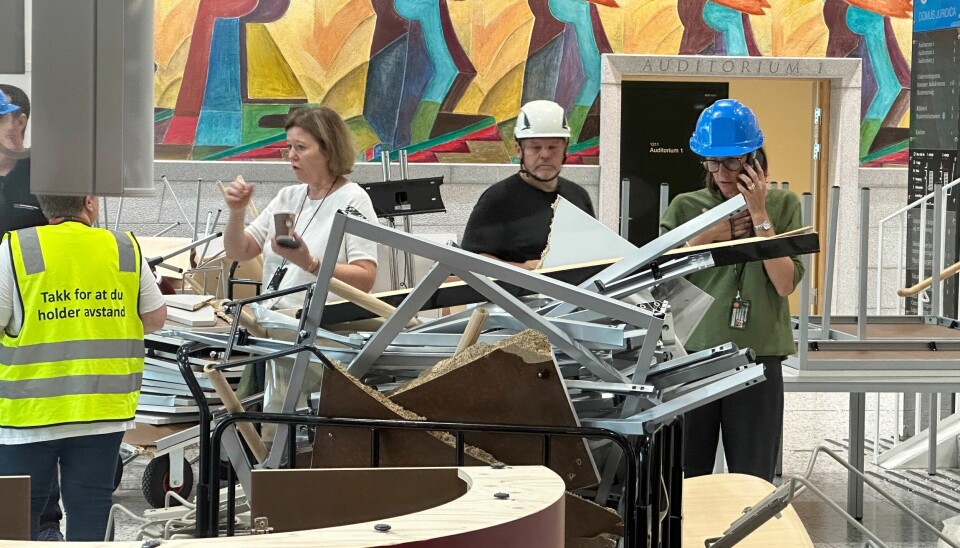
x,y
726,128
6,107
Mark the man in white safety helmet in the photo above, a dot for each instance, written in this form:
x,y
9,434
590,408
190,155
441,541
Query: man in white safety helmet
x,y
511,220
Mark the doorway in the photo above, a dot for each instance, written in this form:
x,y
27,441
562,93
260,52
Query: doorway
x,y
657,120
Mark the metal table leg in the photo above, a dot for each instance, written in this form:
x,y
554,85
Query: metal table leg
x,y
854,483
932,434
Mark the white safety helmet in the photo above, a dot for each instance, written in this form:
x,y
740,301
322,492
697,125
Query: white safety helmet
x,y
541,119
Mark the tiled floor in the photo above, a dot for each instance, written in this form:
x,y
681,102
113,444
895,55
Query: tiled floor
x,y
810,419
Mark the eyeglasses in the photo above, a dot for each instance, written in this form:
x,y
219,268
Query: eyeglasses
x,y
550,148
732,164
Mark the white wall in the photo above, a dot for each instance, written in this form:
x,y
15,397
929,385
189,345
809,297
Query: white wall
x,y
463,184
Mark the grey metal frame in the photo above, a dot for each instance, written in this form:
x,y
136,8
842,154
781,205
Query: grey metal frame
x,y
558,338
649,420
830,259
655,248
392,327
673,268
619,356
862,273
834,340
594,336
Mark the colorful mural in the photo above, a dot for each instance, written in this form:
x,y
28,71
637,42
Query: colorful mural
x,y
444,79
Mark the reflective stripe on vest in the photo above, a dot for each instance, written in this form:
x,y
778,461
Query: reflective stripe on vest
x,y
30,246
70,386
79,355
75,350
128,256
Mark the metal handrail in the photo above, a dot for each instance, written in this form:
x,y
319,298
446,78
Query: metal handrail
x,y
897,213
901,216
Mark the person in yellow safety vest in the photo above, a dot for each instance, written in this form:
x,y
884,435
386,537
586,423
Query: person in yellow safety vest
x,y
75,302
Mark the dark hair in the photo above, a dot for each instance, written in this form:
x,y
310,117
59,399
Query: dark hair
x,y
329,129
18,98
760,154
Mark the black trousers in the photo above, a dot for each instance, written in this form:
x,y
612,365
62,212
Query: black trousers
x,y
752,423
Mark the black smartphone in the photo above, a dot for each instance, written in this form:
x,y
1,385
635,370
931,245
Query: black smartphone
x,y
288,241
760,156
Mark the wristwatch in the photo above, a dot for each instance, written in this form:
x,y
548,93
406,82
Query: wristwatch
x,y
766,225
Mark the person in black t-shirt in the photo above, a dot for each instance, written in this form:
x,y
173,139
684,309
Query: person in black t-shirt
x,y
511,220
18,208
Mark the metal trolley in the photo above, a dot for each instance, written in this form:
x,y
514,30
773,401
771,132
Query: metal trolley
x,y
649,503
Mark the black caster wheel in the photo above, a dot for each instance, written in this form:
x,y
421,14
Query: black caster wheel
x,y
156,481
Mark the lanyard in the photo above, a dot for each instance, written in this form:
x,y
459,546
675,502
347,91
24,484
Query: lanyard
x,y
738,270
310,220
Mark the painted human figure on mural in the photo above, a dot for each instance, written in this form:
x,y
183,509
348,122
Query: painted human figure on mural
x,y
719,27
861,28
414,43
213,17
437,77
570,30
209,109
449,62
857,28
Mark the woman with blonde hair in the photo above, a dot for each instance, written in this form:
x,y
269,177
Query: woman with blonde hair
x,y
322,155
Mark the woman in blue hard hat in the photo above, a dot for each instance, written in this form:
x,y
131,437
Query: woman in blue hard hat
x,y
750,306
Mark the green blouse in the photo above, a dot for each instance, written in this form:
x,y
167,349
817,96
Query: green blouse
x,y
768,330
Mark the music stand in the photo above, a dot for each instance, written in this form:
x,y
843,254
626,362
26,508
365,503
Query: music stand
x,y
405,197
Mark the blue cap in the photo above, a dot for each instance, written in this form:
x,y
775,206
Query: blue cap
x,y
6,107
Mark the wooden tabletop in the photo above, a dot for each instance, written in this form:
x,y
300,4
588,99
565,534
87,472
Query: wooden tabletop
x,y
712,503
531,515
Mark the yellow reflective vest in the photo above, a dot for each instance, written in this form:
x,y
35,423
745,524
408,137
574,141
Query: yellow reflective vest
x,y
78,357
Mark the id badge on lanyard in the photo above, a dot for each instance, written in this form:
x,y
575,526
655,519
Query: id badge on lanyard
x,y
740,308
739,312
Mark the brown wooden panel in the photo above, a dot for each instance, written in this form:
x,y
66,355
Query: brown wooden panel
x,y
340,447
589,524
295,500
15,508
513,382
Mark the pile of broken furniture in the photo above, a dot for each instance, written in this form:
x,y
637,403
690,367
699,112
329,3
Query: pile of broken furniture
x,y
596,346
